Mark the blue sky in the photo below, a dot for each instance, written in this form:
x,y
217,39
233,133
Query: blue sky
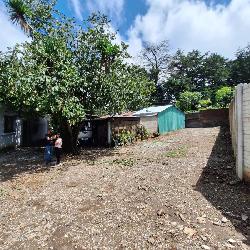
x,y
220,26
131,8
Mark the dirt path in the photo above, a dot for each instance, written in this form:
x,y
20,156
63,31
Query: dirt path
x,y
174,192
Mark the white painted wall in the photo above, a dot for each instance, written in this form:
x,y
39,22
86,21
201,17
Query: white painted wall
x,y
240,130
246,129
36,134
9,139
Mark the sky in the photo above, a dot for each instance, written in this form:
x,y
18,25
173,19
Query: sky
x,y
220,26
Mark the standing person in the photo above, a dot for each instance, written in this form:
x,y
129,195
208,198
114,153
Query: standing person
x,y
58,148
48,148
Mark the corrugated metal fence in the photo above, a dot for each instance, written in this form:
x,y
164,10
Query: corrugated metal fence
x,y
239,114
170,119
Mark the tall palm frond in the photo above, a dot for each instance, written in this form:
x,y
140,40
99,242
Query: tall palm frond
x,y
18,11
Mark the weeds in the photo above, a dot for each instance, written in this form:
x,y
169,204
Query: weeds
x,y
128,136
124,162
3,192
177,153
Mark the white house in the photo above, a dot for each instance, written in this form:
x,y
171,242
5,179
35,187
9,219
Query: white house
x,y
15,131
10,128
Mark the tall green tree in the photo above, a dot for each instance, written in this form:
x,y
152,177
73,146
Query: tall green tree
x,y
186,74
69,72
19,11
216,75
189,101
240,67
216,70
197,72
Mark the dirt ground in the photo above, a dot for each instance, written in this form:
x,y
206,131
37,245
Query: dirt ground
x,y
176,191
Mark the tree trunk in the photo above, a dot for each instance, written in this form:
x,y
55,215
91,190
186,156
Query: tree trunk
x,y
75,132
69,136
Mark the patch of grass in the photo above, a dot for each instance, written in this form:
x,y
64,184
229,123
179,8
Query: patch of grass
x,y
158,142
125,162
177,153
91,162
3,192
17,188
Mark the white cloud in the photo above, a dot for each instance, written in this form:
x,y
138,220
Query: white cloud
x,y
190,24
77,8
10,34
112,8
135,41
118,38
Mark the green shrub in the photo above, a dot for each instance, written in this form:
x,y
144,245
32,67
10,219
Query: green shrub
x,y
224,96
124,137
155,134
204,104
141,132
189,101
177,153
125,162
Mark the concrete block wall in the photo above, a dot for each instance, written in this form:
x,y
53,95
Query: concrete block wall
x,y
150,123
124,123
240,130
246,129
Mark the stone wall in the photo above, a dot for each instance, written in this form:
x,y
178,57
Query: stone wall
x,y
208,118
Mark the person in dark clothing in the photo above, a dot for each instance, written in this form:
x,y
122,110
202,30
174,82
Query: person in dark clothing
x,y
48,148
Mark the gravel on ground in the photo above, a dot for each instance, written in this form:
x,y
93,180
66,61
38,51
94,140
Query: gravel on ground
x,y
177,191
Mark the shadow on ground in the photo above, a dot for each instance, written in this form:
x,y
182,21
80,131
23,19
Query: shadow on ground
x,y
218,184
13,163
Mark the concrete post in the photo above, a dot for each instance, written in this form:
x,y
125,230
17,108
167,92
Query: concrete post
x,y
239,122
109,133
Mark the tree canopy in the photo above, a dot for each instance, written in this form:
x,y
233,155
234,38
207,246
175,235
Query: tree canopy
x,y
240,67
68,71
30,15
196,72
203,73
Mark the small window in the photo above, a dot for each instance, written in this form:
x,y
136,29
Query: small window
x,y
9,124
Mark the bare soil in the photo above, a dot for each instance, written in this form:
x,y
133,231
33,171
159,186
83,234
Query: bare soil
x,y
177,191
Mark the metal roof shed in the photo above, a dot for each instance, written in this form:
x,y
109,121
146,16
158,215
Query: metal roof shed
x,y
161,119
